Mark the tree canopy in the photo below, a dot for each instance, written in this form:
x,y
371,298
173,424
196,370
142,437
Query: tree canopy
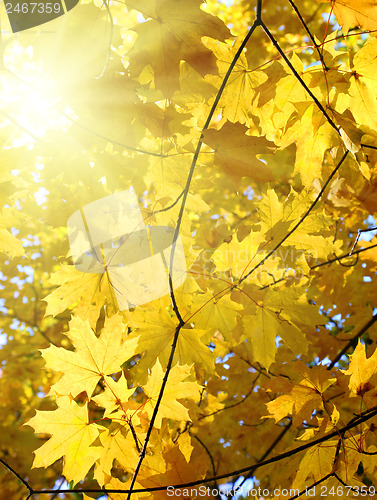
x,y
243,135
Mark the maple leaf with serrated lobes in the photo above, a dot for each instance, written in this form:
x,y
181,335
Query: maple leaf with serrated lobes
x,y
93,357
117,443
237,95
302,398
176,388
236,153
313,136
178,470
355,13
86,291
115,396
9,244
278,218
263,327
71,437
215,314
363,375
155,329
316,464
173,33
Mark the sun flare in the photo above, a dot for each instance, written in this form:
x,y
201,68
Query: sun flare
x,y
29,98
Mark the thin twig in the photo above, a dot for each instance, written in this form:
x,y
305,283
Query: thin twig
x,y
256,23
311,36
211,460
303,492
298,77
299,222
353,341
354,422
15,473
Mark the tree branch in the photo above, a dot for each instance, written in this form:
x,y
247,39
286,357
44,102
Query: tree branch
x,y
294,7
15,473
313,486
212,462
298,77
353,341
354,422
256,23
299,222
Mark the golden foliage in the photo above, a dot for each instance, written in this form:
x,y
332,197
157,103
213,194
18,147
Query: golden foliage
x,y
249,131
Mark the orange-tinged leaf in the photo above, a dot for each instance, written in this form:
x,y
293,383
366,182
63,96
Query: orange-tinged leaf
x,y
359,13
178,471
303,398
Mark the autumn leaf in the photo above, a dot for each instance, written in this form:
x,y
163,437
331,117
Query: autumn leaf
x,y
362,13
71,437
8,242
316,464
178,471
278,218
93,357
246,132
88,291
154,334
115,396
313,136
235,101
117,444
363,374
173,33
176,388
237,153
302,398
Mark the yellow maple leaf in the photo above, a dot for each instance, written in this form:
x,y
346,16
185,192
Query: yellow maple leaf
x,y
313,136
214,314
237,95
178,470
8,243
236,153
316,464
155,332
359,90
356,13
278,218
86,291
71,437
263,327
173,33
115,396
235,257
93,357
363,373
302,398
117,444
176,388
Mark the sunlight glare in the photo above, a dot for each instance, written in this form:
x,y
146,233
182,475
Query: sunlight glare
x,y
29,99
